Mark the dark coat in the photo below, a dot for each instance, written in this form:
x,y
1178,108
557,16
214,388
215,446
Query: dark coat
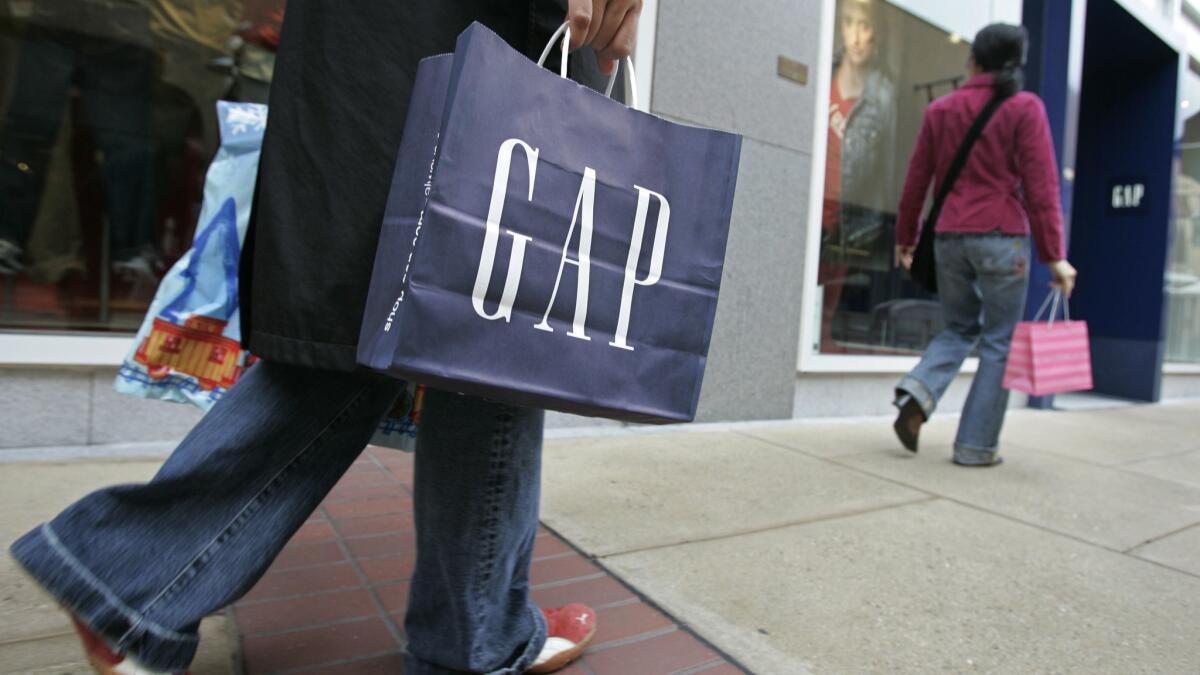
x,y
342,83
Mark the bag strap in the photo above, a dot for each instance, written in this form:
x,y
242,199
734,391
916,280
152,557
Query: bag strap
x,y
1057,296
565,32
960,159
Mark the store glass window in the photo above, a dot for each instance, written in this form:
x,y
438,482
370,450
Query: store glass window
x,y
1183,267
107,125
890,60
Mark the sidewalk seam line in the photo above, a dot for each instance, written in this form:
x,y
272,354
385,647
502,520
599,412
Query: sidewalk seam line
x,y
707,665
233,632
1171,455
316,626
304,568
387,471
312,668
381,535
330,591
35,638
566,582
555,556
649,602
838,515
617,604
298,596
1119,466
1153,540
632,639
388,621
833,461
981,509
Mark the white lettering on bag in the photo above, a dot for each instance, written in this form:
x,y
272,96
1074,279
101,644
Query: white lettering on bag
x,y
492,235
427,188
584,217
584,207
635,251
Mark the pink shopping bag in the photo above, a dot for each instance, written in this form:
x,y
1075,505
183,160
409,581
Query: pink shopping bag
x,y
1049,357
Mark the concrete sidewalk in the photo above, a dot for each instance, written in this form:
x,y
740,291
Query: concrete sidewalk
x,y
822,547
817,546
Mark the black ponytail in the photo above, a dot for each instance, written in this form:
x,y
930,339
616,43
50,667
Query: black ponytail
x,y
1008,80
1000,49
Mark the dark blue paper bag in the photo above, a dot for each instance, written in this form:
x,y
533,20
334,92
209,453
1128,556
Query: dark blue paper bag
x,y
546,246
411,186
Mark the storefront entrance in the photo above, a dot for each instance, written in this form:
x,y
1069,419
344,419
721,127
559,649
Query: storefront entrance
x,y
1120,215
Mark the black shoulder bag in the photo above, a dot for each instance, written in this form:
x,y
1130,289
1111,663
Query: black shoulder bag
x,y
924,264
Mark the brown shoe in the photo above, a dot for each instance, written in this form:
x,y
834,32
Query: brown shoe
x,y
908,424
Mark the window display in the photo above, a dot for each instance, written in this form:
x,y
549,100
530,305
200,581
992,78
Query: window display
x,y
1183,265
889,63
107,124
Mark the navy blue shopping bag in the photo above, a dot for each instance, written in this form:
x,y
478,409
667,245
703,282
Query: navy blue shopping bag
x,y
411,185
546,246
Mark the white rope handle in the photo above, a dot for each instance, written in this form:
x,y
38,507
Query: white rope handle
x,y
565,32
1057,296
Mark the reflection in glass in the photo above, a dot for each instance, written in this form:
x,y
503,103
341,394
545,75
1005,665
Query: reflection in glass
x,y
859,154
1183,266
107,124
888,66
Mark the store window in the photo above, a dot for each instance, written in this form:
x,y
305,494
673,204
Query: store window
x,y
107,125
890,60
1183,267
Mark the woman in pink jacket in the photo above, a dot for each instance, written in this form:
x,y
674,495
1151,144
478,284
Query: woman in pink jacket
x,y
1008,186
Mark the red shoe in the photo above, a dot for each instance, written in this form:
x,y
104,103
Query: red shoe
x,y
569,630
104,660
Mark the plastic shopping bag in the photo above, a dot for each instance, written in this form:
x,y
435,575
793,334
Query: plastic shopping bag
x,y
189,345
188,349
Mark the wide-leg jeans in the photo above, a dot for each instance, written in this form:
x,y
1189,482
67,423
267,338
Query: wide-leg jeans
x,y
143,564
982,282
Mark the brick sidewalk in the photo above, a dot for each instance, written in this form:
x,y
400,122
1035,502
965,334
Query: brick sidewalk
x,y
334,600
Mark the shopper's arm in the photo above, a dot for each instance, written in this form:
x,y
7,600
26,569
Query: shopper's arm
x,y
1043,201
607,26
912,199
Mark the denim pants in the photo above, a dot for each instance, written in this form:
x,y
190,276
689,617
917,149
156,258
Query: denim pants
x,y
982,281
143,564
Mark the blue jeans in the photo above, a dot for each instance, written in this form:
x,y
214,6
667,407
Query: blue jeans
x,y
982,281
143,564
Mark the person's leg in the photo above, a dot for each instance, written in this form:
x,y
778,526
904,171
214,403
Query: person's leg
x,y
30,125
832,276
117,83
1002,265
943,358
476,496
143,564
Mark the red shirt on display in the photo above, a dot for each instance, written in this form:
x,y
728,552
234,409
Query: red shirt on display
x,y
1010,180
261,23
839,116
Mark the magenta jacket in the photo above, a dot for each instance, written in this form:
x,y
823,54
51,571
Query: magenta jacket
x,y
1009,182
